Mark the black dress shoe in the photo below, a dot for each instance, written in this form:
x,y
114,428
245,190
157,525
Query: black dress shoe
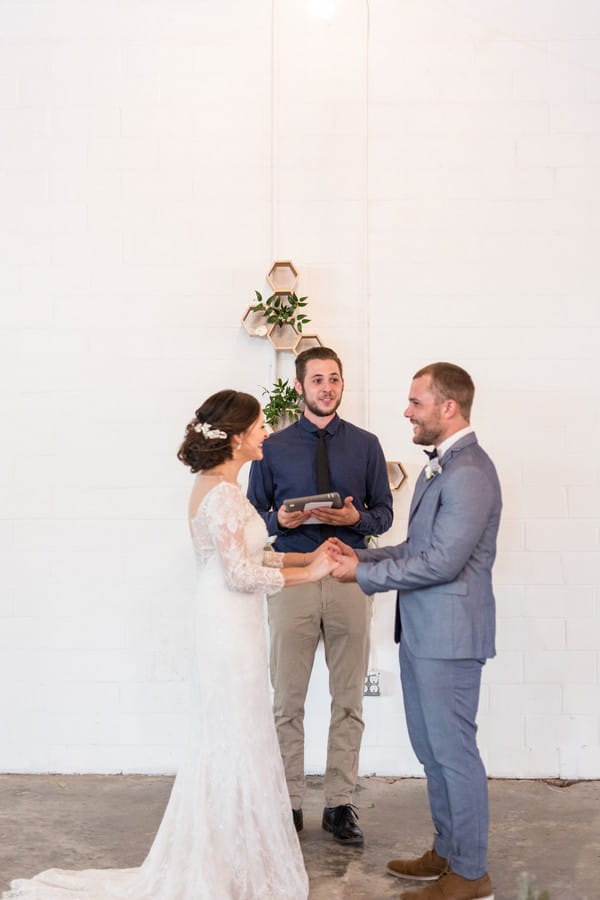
x,y
341,821
298,819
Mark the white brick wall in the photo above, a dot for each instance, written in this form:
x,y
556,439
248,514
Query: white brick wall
x,y
434,176
484,220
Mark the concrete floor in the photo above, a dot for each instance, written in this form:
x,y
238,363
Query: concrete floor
x,y
548,829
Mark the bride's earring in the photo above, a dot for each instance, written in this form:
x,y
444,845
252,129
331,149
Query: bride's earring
x,y
238,446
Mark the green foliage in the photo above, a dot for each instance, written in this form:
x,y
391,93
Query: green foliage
x,y
528,889
283,402
281,309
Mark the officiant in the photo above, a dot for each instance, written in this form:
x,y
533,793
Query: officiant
x,y
321,453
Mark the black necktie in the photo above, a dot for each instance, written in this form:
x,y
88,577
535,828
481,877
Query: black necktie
x,y
432,454
323,482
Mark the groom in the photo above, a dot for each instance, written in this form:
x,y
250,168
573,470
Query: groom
x,y
445,624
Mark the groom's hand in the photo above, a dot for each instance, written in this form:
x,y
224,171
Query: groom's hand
x,y
345,558
345,568
339,548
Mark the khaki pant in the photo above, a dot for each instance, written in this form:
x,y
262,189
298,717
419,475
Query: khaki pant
x,y
297,617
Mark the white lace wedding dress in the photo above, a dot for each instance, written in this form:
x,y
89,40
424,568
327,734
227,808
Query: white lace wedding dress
x,y
227,832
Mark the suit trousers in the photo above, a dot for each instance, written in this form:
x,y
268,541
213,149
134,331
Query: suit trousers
x,y
441,697
298,616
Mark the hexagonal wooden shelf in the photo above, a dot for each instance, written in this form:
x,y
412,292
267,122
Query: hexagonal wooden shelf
x,y
306,342
255,323
396,473
283,337
283,276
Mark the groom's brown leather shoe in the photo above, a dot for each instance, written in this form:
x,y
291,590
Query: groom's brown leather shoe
x,y
454,887
428,867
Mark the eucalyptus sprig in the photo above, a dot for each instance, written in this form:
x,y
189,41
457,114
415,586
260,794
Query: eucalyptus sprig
x,y
284,401
281,309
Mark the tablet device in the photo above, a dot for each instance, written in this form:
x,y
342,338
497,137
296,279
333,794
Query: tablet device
x,y
300,504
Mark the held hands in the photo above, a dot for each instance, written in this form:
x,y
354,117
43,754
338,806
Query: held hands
x,y
345,560
333,557
321,563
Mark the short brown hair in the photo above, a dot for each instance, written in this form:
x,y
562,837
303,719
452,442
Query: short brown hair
x,y
315,353
230,412
450,382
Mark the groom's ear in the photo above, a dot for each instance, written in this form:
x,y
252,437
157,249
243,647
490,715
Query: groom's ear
x,y
452,409
298,387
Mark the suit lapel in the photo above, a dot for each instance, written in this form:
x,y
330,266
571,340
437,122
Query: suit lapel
x,y
420,488
446,460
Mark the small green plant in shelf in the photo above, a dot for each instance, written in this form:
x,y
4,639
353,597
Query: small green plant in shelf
x,y
283,405
282,309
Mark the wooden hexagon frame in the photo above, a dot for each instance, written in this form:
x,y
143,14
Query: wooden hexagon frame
x,y
397,474
255,323
283,276
283,337
306,341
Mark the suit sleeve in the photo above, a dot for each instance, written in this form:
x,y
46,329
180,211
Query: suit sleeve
x,y
378,553
466,506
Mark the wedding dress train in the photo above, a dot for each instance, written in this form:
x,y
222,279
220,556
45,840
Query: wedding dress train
x,y
227,832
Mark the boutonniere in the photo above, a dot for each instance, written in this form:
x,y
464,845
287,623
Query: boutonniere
x,y
432,469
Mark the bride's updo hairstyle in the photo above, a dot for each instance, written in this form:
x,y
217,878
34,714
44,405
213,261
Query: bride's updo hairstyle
x,y
207,441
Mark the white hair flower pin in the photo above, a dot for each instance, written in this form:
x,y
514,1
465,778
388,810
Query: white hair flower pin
x,y
210,433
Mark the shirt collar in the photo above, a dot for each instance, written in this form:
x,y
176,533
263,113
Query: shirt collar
x,y
330,428
449,442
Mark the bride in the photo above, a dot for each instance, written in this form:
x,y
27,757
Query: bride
x,y
227,832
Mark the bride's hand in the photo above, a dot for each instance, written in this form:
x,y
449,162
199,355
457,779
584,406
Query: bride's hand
x,y
328,546
320,565
309,557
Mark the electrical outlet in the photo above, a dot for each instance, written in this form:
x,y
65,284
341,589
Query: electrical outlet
x,y
372,684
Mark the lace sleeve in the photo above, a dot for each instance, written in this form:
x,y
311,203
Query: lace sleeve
x,y
273,559
227,513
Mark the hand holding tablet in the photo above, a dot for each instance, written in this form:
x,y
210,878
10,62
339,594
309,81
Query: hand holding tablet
x,y
330,500
301,504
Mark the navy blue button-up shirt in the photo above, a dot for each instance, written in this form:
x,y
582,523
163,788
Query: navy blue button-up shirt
x,y
289,469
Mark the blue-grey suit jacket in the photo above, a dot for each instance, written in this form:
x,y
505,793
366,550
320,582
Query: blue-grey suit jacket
x,y
443,571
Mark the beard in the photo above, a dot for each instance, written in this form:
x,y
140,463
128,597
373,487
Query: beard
x,y
318,411
426,436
